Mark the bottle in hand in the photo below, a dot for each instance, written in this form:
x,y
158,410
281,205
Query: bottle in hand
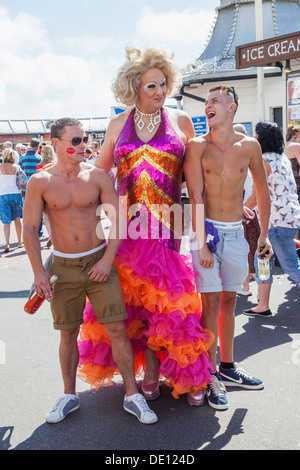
x,y
35,301
263,264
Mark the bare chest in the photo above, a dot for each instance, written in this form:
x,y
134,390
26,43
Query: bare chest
x,y
61,195
230,164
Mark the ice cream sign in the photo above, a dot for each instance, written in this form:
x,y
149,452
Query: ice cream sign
x,y
268,51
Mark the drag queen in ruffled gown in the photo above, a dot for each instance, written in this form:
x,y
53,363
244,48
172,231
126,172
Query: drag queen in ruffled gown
x,y
147,144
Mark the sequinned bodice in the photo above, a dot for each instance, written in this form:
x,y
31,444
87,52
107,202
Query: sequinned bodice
x,y
149,176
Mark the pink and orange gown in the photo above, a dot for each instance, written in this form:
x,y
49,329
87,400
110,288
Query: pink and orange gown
x,y
162,304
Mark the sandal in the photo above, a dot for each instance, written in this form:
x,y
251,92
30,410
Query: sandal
x,y
20,245
151,391
6,249
196,398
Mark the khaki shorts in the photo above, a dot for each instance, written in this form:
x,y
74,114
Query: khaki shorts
x,y
73,286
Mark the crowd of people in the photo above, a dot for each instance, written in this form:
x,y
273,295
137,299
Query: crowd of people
x,y
30,158
25,160
133,304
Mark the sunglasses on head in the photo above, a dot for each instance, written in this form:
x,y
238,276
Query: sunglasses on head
x,y
76,140
234,95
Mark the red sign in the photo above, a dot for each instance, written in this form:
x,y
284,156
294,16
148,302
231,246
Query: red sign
x,y
16,139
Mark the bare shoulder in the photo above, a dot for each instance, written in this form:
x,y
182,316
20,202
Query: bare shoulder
x,y
117,122
245,139
182,121
37,184
100,176
252,145
194,152
179,116
97,172
40,177
198,144
295,146
249,140
179,113
248,144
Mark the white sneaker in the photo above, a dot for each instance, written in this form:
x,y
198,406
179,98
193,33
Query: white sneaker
x,y
246,293
63,406
137,405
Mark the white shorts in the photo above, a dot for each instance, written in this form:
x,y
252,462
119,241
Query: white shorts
x,y
230,260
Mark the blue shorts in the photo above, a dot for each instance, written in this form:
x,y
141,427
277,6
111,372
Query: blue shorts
x,y
230,260
11,207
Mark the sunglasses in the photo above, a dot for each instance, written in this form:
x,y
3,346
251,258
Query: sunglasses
x,y
76,140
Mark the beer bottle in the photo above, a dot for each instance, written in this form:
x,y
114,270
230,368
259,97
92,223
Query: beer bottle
x,y
263,264
35,301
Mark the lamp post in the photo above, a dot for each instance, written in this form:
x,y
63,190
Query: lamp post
x,y
260,70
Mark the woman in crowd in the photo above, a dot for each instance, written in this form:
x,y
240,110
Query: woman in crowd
x,y
147,144
285,211
11,204
292,151
48,157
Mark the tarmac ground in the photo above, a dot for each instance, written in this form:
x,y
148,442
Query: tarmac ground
x,y
30,378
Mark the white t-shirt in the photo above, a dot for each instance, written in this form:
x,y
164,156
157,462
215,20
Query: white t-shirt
x,y
248,186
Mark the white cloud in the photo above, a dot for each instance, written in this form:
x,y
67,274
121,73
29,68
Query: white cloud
x,y
188,28
41,83
43,80
91,45
58,85
22,34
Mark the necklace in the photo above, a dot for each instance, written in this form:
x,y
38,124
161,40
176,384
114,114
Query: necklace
x,y
155,119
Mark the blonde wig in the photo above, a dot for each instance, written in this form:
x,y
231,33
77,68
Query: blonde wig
x,y
128,79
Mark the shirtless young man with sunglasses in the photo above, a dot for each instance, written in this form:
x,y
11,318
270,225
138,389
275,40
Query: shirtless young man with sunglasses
x,y
70,192
215,168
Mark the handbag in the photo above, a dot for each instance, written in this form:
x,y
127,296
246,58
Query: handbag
x,y
21,179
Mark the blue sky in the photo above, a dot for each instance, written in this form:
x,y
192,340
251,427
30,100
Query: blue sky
x,y
58,58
